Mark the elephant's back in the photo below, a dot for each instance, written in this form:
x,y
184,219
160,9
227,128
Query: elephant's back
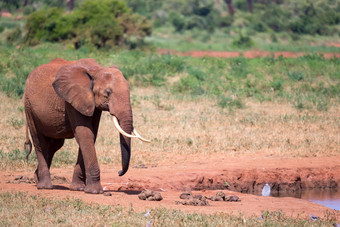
x,y
39,81
44,75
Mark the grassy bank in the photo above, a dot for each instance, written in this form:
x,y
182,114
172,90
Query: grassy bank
x,y
20,209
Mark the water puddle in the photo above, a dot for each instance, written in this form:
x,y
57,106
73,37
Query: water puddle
x,y
328,198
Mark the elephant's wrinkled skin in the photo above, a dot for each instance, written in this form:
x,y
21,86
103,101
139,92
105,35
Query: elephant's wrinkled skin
x,y
65,99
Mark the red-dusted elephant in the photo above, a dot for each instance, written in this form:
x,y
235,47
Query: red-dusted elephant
x,y
65,99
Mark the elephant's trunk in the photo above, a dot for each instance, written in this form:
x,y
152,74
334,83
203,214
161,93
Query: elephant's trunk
x,y
126,123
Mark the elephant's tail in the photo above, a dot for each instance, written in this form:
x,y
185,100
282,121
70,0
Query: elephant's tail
x,y
28,144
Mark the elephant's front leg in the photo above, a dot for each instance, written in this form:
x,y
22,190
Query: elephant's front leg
x,y
85,138
79,174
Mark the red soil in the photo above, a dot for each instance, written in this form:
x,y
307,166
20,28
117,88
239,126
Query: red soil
x,y
207,175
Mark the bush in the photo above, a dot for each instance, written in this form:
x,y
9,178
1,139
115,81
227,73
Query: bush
x,y
230,102
14,36
103,24
315,20
28,10
177,21
243,41
275,18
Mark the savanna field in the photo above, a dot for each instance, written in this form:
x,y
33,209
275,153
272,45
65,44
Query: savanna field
x,y
197,111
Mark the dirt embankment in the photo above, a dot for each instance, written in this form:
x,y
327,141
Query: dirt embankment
x,y
232,175
246,54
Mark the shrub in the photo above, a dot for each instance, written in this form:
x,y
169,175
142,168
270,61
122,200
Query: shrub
x,y
230,102
243,41
14,36
28,10
177,21
41,25
315,20
103,23
189,84
2,28
275,18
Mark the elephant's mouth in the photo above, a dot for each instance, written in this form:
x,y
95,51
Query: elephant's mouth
x,y
121,131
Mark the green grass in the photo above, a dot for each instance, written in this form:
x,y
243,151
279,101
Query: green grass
x,y
310,82
16,159
222,40
21,209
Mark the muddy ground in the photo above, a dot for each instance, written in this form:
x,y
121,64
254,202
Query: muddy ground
x,y
205,176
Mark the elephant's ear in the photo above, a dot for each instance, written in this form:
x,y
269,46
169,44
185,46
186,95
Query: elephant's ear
x,y
73,83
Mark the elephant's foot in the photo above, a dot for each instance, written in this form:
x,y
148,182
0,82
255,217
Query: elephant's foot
x,y
45,184
94,188
76,186
78,179
44,181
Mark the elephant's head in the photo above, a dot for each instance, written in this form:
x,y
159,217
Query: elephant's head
x,y
86,85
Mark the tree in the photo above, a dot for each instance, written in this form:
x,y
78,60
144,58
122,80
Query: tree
x,y
70,4
250,5
230,6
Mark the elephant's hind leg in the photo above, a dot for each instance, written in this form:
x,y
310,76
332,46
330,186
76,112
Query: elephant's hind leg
x,y
79,175
50,146
45,156
42,174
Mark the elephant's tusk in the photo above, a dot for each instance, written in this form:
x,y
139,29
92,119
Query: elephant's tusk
x,y
115,122
140,137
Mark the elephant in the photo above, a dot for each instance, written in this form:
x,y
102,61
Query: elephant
x,y
65,99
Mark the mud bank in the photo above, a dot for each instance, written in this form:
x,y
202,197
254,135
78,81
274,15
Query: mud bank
x,y
207,175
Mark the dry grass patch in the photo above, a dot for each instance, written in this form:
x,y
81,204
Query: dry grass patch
x,y
185,129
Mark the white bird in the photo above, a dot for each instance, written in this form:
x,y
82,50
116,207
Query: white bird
x,y
266,190
313,217
147,213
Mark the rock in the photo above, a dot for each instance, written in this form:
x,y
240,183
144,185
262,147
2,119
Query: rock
x,y
186,195
216,198
142,196
199,196
150,195
157,196
192,200
234,198
107,194
220,194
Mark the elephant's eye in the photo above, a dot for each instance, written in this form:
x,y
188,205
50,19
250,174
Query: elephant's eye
x,y
107,92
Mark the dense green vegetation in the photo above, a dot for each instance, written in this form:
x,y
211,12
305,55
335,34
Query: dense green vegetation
x,y
310,82
301,17
22,209
103,24
116,22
